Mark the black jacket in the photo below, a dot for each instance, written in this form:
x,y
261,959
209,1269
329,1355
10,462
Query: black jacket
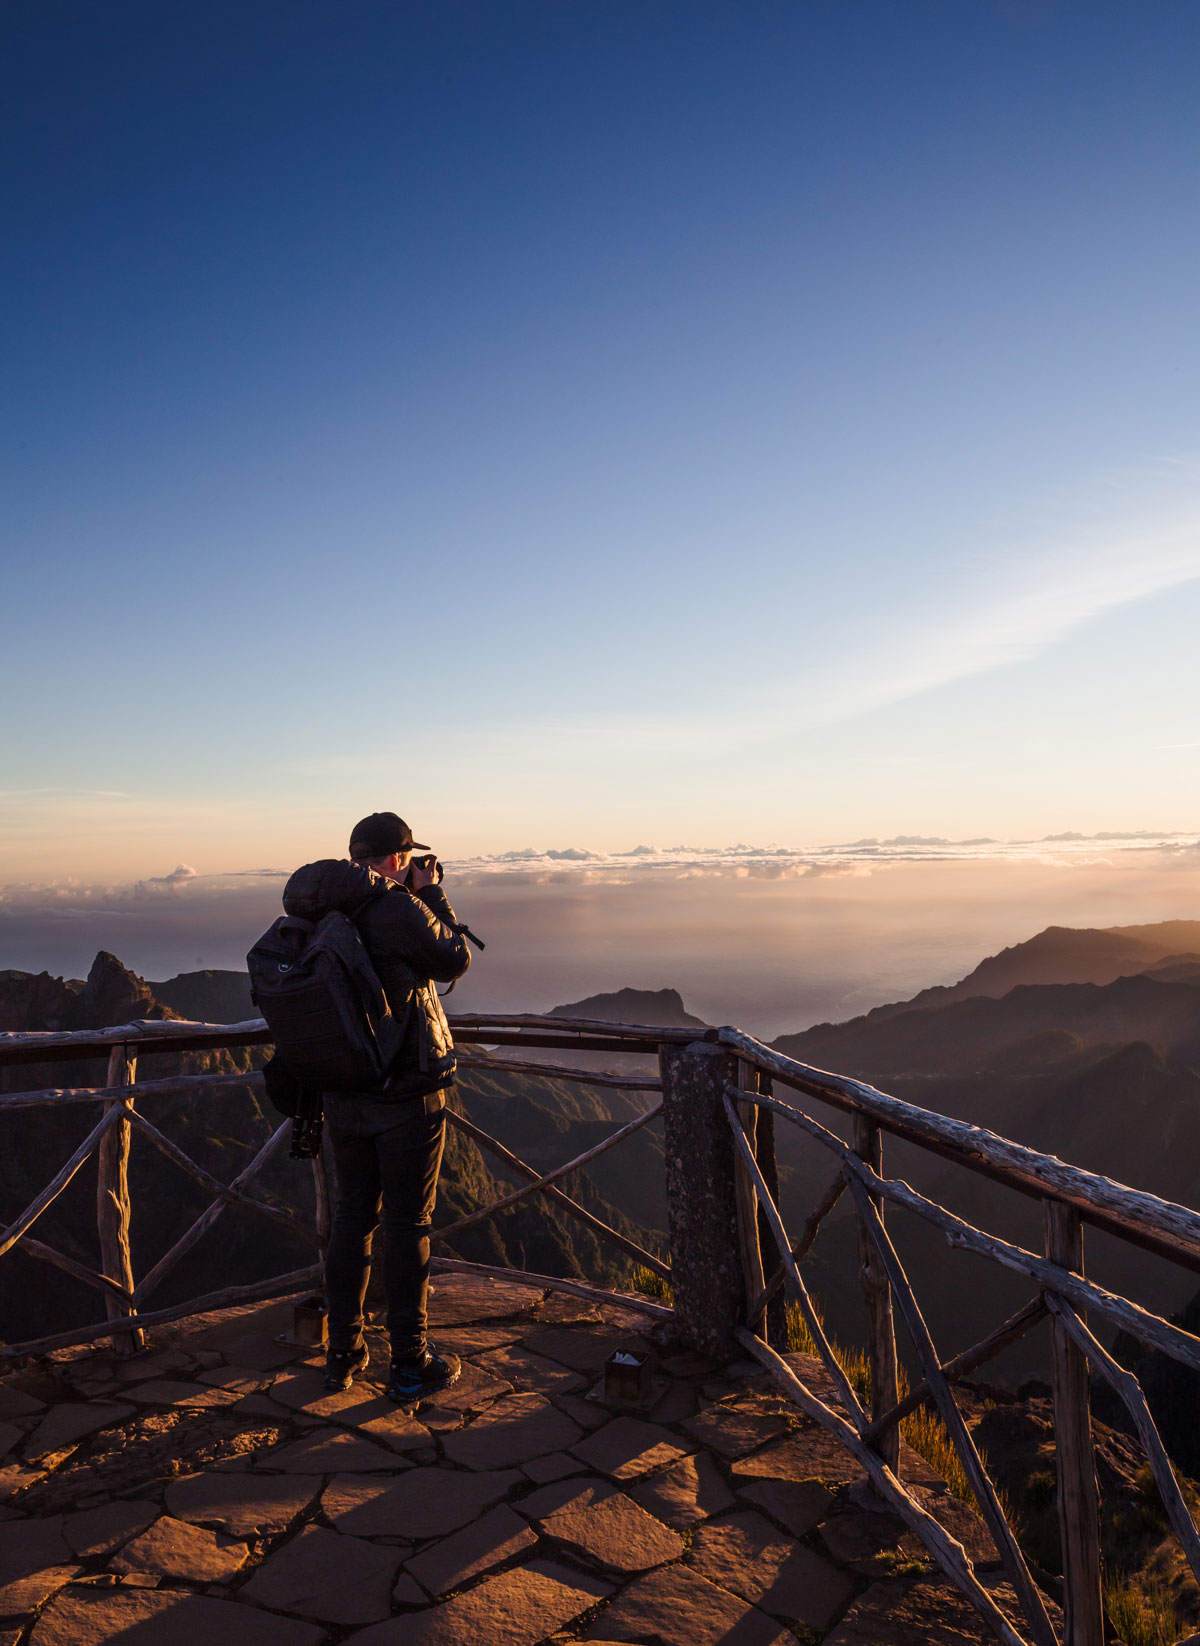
x,y
414,943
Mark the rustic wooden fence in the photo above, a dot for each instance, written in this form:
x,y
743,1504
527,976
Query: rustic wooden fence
x,y
716,1096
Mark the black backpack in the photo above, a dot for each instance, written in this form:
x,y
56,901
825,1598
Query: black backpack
x,y
326,1009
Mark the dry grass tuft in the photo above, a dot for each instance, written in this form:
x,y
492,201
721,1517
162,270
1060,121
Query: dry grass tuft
x,y
923,1429
1142,1611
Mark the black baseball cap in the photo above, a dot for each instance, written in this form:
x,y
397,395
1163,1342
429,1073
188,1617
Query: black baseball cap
x,y
380,835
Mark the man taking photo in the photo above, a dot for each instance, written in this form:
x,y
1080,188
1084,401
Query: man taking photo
x,y
387,1145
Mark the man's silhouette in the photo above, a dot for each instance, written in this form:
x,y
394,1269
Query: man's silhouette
x,y
387,1146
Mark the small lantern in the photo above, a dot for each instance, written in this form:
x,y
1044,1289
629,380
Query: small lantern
x,y
310,1322
627,1376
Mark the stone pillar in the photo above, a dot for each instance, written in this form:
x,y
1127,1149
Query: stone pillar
x,y
706,1265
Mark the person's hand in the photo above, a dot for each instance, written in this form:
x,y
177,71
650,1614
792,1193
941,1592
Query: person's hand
x,y
422,872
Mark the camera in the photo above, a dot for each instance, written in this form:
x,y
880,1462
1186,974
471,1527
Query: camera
x,y
430,865
307,1125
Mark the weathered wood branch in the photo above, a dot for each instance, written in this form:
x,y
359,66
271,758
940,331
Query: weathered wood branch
x,y
833,1193
949,1554
799,1290
555,1071
224,1191
962,1365
539,1184
148,1034
176,1035
205,1221
1074,1457
113,1208
1127,1386
545,1179
59,1181
877,1299
1084,1294
1128,1209
571,1041
184,1085
981,1484
70,1266
554,1283
747,1205
259,1291
652,1034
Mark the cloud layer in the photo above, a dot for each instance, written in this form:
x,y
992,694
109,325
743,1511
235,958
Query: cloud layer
x,y
69,898
772,937
779,862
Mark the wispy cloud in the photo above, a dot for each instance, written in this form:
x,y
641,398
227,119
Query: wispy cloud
x,y
1124,539
1067,586
179,876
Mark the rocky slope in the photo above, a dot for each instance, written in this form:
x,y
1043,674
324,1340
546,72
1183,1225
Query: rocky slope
x,y
1068,954
1102,1074
207,997
655,1007
1029,1029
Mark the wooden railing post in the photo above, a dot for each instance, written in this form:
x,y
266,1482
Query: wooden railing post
x,y
706,1267
877,1295
775,1324
749,1244
112,1203
1078,1500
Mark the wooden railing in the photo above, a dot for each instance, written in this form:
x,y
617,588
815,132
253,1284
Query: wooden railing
x,y
111,1137
717,1101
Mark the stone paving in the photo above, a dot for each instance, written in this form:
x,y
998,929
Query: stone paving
x,y
208,1489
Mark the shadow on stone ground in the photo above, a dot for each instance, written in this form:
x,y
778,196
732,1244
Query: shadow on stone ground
x,y
209,1491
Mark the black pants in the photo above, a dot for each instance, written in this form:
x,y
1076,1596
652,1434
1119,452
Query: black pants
x,y
396,1169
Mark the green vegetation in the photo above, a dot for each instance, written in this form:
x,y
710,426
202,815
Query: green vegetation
x,y
1141,1610
651,1285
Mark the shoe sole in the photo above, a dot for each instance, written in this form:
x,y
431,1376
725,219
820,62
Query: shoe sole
x,y
415,1396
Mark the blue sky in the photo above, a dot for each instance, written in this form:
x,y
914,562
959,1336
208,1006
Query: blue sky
x,y
587,423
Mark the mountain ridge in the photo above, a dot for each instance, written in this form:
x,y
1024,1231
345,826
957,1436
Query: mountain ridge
x,y
1065,954
962,1035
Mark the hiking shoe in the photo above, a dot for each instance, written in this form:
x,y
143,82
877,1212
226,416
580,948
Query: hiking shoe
x,y
341,1369
412,1380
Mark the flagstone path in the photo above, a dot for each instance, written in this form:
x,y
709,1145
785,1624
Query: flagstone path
x,y
208,1490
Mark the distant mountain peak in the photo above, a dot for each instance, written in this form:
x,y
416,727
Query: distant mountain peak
x,y
656,1007
1069,954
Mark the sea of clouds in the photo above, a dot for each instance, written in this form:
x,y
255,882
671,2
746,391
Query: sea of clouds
x,y
779,862
773,937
